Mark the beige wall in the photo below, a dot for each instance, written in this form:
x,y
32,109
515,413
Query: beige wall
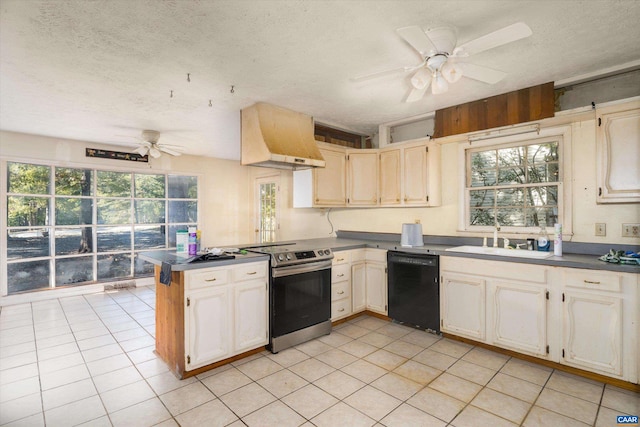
x,y
224,184
228,199
443,220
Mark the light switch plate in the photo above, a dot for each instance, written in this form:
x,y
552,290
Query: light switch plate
x,y
630,230
601,229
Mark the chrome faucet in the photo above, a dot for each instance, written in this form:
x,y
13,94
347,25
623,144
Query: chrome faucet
x,y
495,235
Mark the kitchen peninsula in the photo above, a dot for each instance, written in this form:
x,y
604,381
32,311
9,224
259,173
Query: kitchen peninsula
x,y
211,311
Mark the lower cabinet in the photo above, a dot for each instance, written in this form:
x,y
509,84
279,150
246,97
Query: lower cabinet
x,y
250,315
583,318
224,317
596,309
208,326
518,316
368,282
462,305
376,289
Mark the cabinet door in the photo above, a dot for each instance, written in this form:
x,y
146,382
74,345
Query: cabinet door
x,y
208,329
518,317
376,288
415,175
363,178
618,151
330,183
250,315
462,305
390,176
358,286
592,332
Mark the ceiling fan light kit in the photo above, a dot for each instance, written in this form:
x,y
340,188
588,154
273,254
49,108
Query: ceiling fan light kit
x,y
439,51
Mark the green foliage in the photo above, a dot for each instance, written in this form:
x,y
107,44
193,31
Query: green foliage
x,y
114,184
24,178
149,186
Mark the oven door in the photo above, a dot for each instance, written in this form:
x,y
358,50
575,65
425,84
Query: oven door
x,y
300,296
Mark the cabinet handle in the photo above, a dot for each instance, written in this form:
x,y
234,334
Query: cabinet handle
x,y
341,292
340,275
210,280
341,310
591,282
252,273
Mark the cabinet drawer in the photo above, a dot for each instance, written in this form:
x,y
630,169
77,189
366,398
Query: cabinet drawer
x,y
341,257
340,290
592,279
251,271
206,277
341,308
340,273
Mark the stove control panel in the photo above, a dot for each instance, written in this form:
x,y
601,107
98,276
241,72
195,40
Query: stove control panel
x,y
299,257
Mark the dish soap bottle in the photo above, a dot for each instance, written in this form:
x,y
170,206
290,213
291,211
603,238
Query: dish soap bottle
x,y
543,240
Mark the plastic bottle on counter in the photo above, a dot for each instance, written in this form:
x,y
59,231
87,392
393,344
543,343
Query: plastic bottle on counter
x,y
543,240
182,242
193,243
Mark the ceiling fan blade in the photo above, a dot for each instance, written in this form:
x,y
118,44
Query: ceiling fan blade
x,y
480,73
384,73
416,94
508,34
142,150
417,38
443,39
163,148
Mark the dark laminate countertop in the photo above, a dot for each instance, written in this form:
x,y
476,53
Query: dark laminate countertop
x,y
180,262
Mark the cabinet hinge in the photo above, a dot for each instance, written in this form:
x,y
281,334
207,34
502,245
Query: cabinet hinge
x,y
188,359
347,158
427,198
563,353
385,308
385,270
427,149
547,349
599,121
563,297
547,295
599,191
348,200
188,302
441,323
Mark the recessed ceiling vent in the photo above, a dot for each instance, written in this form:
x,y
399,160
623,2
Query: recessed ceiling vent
x,y
275,137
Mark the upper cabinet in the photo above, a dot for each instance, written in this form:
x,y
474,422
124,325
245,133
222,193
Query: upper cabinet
x,y
330,182
618,151
403,174
390,177
362,167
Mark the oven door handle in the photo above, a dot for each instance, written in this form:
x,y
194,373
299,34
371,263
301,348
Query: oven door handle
x,y
300,268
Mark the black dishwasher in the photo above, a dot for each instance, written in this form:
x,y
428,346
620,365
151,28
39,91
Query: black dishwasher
x,y
414,294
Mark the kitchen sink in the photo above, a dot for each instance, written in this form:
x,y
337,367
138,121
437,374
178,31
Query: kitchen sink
x,y
517,253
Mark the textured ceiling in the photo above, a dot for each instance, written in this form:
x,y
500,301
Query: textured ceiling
x,y
103,70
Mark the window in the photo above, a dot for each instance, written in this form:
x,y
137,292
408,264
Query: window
x,y
70,226
518,185
266,209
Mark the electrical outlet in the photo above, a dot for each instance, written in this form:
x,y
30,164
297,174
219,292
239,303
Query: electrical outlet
x,y
601,229
630,230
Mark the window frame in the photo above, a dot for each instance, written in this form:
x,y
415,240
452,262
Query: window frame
x,y
562,134
52,226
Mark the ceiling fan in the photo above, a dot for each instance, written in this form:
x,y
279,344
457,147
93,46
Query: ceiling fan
x,y
440,55
149,145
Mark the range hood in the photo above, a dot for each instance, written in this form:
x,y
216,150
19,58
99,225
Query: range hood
x,y
275,137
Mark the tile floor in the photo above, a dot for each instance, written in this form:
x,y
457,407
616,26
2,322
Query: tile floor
x,y
88,360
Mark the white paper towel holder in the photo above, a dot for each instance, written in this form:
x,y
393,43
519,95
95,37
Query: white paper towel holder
x,y
411,235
